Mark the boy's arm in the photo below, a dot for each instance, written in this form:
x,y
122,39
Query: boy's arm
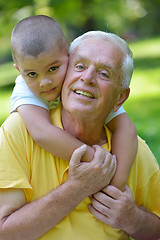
x,y
124,146
51,138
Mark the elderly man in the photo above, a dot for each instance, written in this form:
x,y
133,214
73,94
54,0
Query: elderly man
x,y
47,198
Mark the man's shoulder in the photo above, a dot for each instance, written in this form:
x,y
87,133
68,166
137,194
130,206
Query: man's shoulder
x,y
145,154
144,166
13,125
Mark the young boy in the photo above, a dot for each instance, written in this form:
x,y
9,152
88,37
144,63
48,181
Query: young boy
x,y
40,53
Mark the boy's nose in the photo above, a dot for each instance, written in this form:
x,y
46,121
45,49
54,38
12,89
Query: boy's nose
x,y
45,81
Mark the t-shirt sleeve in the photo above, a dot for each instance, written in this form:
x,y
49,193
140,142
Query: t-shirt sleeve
x,y
22,95
144,179
114,114
14,156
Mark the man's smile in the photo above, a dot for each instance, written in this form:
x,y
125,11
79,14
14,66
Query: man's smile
x,y
83,93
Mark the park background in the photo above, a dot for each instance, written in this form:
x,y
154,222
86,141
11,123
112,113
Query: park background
x,y
137,21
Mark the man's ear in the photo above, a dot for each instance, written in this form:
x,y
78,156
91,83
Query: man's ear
x,y
15,66
122,98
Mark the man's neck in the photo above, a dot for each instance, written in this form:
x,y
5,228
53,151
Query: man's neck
x,y
88,130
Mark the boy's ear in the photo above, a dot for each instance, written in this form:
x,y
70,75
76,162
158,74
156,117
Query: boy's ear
x,y
15,66
122,98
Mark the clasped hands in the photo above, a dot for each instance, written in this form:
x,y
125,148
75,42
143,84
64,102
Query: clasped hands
x,y
109,205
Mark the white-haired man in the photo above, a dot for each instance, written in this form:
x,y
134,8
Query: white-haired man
x,y
50,202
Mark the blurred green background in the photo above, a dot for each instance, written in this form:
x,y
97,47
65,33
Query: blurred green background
x,y
137,21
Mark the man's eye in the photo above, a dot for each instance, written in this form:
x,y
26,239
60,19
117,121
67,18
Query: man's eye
x,y
52,69
32,74
104,74
80,67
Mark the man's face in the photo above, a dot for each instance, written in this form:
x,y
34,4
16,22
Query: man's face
x,y
92,83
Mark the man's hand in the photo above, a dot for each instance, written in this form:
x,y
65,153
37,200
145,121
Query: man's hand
x,y
92,176
113,207
119,210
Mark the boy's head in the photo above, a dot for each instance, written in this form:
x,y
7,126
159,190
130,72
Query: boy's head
x,y
36,34
40,53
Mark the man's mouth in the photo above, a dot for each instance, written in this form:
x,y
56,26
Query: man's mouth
x,y
83,93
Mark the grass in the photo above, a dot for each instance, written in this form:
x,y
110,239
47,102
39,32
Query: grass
x,y
144,102
5,93
144,112
7,74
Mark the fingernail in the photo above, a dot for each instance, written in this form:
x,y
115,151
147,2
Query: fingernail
x,y
84,146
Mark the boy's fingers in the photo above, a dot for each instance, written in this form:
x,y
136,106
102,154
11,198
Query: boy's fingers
x,y
100,154
114,162
77,155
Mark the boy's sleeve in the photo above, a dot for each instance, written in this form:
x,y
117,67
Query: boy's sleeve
x,y
22,95
114,114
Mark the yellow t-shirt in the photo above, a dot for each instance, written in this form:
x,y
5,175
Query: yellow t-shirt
x,y
23,164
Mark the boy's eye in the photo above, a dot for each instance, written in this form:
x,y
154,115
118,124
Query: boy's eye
x,y
52,69
32,74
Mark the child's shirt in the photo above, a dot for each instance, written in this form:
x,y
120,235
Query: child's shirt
x,y
22,95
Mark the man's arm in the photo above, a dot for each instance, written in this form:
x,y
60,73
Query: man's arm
x,y
19,220
119,210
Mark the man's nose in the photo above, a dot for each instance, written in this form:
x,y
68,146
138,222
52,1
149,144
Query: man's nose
x,y
89,76
45,82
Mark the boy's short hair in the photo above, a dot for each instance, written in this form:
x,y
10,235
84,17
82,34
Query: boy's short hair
x,y
33,35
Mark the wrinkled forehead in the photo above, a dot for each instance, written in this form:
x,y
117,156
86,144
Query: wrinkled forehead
x,y
98,51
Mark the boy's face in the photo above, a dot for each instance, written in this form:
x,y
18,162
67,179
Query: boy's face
x,y
44,75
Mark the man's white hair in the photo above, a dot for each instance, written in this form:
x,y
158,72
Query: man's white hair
x,y
127,64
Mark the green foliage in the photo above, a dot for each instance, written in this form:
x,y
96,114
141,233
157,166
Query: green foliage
x,y
5,93
144,112
10,11
130,18
7,74
144,102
